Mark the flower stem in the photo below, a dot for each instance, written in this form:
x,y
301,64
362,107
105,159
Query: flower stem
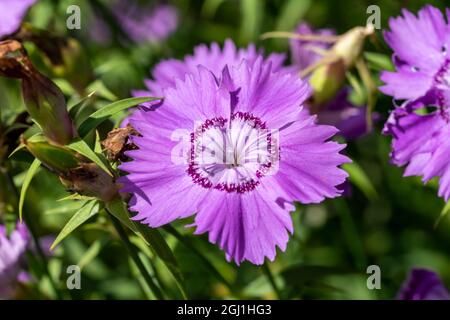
x,y
188,244
271,279
135,257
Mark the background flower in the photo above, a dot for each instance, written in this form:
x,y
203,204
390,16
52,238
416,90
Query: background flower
x,y
146,23
423,284
420,140
213,57
12,250
12,13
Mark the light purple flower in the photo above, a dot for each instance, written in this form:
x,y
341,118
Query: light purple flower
x,y
146,23
12,250
422,79
421,55
423,284
214,58
12,13
251,152
340,112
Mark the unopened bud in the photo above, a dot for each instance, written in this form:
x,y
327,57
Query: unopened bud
x,y
56,158
350,45
76,173
326,80
44,100
329,77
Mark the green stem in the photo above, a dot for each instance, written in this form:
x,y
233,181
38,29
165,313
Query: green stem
x,y
188,243
271,278
351,235
134,255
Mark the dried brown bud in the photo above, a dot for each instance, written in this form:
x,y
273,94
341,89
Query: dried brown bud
x,y
14,61
118,141
90,180
44,100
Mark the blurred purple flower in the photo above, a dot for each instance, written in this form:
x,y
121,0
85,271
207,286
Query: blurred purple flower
x,y
420,136
423,284
305,53
344,115
213,58
146,23
339,112
243,201
12,13
12,250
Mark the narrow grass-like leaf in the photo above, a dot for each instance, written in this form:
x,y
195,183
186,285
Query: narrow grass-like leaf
x,y
379,61
152,237
26,183
444,212
75,196
359,178
81,147
92,252
252,13
82,215
291,13
77,107
105,112
19,147
98,145
187,242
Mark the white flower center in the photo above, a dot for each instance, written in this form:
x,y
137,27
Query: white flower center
x,y
232,155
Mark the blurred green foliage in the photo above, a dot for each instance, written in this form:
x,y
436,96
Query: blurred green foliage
x,y
333,243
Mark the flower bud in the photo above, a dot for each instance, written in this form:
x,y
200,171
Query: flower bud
x,y
326,80
75,172
43,99
54,157
350,45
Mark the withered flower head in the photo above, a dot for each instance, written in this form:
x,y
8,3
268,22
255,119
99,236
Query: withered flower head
x,y
43,99
118,142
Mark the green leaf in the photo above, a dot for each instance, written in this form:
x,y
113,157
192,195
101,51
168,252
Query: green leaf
x,y
251,16
379,61
101,90
26,183
105,112
188,243
291,13
76,108
19,147
98,145
81,147
152,238
92,252
82,215
359,178
119,210
444,212
75,196
157,242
